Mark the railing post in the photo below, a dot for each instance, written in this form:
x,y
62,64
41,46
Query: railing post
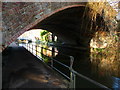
x,y
53,51
36,49
32,48
51,62
53,54
25,45
42,52
72,74
28,46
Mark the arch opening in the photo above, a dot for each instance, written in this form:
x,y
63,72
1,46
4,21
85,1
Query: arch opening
x,y
73,26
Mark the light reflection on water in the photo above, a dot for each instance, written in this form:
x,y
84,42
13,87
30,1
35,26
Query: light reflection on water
x,y
116,84
45,54
107,65
101,67
41,51
48,51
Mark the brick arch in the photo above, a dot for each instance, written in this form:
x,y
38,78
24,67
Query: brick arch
x,y
34,24
28,27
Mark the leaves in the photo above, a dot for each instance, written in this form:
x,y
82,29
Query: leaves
x,y
44,33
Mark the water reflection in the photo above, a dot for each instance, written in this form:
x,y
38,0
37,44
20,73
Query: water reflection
x,y
101,67
43,51
106,64
50,51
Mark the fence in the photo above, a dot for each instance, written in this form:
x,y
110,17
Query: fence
x,y
72,78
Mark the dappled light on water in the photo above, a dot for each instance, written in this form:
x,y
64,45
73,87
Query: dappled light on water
x,y
47,51
105,64
105,59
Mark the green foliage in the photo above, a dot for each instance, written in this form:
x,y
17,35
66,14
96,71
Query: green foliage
x,y
100,49
43,33
45,36
46,59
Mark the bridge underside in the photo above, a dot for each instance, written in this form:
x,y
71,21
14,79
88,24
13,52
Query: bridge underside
x,y
73,26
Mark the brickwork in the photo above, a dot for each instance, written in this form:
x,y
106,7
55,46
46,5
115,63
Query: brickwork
x,y
18,17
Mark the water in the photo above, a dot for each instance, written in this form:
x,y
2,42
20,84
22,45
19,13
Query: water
x,y
99,67
105,70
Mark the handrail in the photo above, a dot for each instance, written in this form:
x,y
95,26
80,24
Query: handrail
x,y
51,50
90,80
73,73
61,73
62,64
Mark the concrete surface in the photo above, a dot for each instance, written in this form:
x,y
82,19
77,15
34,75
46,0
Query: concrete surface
x,y
20,69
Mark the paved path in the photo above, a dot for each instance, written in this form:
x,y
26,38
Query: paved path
x,y
23,70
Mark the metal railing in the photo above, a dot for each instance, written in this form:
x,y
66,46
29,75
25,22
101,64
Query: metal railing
x,y
72,78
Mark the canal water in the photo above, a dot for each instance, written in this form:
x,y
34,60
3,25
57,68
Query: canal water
x,y
102,68
95,66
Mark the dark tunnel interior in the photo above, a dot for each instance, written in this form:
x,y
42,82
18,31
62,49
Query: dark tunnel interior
x,y
73,26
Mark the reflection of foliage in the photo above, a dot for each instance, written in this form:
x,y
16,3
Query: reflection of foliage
x,y
44,54
45,58
47,53
108,65
104,39
106,60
